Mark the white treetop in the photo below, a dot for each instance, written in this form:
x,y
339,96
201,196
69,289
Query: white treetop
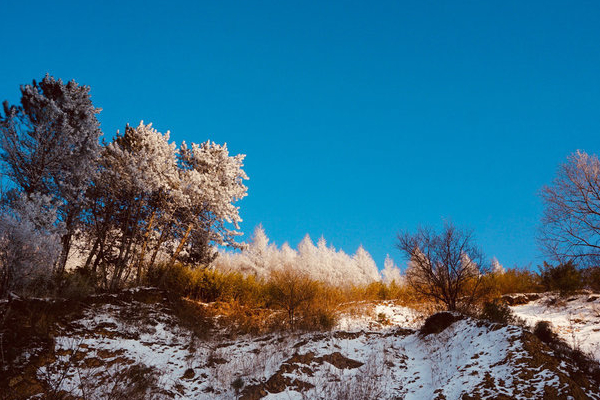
x,y
497,268
391,272
320,262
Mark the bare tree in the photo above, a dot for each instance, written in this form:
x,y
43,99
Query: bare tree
x,y
447,267
571,221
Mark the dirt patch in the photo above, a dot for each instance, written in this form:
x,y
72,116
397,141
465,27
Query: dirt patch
x,y
400,332
339,361
304,363
109,353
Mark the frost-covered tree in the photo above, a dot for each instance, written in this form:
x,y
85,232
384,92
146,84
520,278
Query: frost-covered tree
x,y
152,200
366,268
132,192
391,273
49,147
321,262
307,252
497,268
211,182
259,256
27,253
287,255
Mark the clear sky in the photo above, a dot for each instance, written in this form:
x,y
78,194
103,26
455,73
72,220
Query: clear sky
x,y
358,119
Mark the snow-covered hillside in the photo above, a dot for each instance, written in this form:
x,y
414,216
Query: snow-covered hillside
x,y
576,319
138,349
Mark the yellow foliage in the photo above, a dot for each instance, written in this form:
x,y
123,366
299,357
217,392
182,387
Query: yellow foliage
x,y
513,280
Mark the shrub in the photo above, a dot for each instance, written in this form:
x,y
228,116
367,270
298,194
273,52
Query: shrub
x,y
77,284
377,291
592,278
497,311
192,316
543,330
316,319
206,285
289,289
565,277
513,280
383,319
438,322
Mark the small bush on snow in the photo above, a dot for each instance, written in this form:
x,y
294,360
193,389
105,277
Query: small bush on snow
x,y
543,330
499,312
565,277
439,322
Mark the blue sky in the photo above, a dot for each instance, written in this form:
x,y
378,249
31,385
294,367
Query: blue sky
x,y
358,119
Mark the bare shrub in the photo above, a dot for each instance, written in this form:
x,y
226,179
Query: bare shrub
x,y
206,285
571,222
290,289
445,267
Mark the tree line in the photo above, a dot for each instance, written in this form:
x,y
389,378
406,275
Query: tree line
x,y
125,204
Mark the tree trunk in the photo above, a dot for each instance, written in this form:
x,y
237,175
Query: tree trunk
x,y
66,242
161,239
143,250
181,244
90,257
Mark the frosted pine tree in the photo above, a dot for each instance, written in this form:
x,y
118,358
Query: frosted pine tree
x,y
287,255
391,273
366,269
307,255
211,181
261,257
50,147
497,268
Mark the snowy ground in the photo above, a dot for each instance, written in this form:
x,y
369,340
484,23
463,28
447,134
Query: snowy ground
x,y
377,355
369,315
576,319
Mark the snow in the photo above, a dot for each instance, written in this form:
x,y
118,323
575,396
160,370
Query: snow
x,y
381,314
574,319
394,360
